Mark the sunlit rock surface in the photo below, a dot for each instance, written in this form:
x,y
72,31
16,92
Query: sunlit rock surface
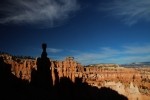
x,y
131,82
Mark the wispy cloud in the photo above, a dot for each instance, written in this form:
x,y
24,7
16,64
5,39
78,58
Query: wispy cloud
x,y
54,50
103,55
124,54
130,11
49,12
131,59
137,50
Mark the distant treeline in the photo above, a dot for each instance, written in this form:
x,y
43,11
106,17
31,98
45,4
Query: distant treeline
x,y
15,57
2,53
23,57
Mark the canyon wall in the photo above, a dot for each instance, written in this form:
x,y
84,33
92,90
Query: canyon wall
x,y
131,82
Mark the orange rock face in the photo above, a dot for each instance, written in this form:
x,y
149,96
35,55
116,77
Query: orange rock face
x,y
67,68
132,82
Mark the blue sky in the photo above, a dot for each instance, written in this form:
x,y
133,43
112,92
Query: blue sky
x,y
92,31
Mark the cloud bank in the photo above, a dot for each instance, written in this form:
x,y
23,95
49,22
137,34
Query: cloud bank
x,y
54,50
50,12
130,11
122,55
125,54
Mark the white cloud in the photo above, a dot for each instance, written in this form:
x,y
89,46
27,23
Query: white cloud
x,y
54,50
103,55
125,54
131,59
130,11
49,12
137,49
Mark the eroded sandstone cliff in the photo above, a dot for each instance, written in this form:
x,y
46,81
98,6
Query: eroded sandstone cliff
x,y
131,82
